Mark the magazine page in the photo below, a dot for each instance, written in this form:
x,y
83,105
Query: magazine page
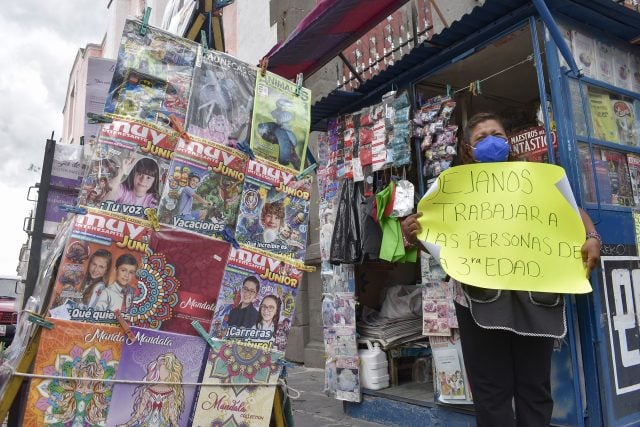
x,y
604,62
221,102
54,216
340,341
153,75
619,178
68,167
623,113
257,299
157,357
281,121
203,188
530,145
633,160
78,350
347,379
634,61
339,310
252,370
128,169
274,210
435,310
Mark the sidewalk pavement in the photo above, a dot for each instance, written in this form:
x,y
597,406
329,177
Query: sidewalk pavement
x,y
314,408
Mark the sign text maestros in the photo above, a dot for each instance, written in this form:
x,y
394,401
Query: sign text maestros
x,y
506,226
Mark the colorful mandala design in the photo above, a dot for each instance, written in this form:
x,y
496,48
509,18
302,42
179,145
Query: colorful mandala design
x,y
157,293
237,363
65,401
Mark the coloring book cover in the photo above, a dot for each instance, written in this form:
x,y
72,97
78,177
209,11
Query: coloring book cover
x,y
128,168
157,357
79,350
203,188
158,280
253,372
281,121
274,210
222,99
153,75
257,299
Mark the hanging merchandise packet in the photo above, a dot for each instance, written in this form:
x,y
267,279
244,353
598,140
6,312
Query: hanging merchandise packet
x,y
257,299
281,121
203,188
153,75
128,168
274,210
221,101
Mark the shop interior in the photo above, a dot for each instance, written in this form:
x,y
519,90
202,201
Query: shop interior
x,y
508,86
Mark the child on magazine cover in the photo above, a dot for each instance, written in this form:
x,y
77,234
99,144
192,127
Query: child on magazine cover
x,y
269,313
119,294
141,186
95,277
187,194
244,315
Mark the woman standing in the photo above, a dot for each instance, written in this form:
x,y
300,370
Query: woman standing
x,y
507,337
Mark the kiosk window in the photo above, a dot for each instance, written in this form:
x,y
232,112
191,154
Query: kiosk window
x,y
617,176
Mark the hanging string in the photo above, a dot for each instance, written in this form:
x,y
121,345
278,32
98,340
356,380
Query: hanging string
x,y
472,85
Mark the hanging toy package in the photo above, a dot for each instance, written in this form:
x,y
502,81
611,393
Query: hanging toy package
x,y
403,204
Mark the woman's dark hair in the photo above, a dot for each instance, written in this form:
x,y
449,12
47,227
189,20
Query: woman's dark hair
x,y
88,284
276,315
145,166
478,118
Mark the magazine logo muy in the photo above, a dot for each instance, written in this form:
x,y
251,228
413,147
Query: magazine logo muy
x,y
110,225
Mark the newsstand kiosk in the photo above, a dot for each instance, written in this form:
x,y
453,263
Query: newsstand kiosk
x,y
576,59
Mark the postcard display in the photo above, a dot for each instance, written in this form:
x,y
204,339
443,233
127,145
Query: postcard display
x,y
153,254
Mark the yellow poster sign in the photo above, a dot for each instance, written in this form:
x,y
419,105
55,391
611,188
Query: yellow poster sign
x,y
512,226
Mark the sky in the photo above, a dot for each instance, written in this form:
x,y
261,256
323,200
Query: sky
x,y
40,40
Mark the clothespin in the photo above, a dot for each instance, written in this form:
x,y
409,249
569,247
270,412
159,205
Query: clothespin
x,y
125,326
227,235
198,327
177,126
307,171
145,21
264,62
298,83
152,216
472,88
39,320
73,209
244,147
478,89
98,118
203,41
448,91
285,364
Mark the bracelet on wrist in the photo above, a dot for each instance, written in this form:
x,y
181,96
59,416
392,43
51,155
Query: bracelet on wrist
x,y
594,235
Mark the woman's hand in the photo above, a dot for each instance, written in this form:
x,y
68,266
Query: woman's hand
x,y
590,253
411,228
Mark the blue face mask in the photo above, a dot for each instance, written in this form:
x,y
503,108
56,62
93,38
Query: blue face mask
x,y
491,149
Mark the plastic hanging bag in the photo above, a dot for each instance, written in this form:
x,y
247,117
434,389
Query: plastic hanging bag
x,y
403,203
346,247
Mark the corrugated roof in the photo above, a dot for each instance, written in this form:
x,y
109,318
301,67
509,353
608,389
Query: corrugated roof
x,y
473,29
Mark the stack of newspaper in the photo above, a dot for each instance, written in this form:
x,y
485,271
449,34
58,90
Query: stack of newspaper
x,y
389,332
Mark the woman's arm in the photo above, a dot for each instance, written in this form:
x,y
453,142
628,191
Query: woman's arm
x,y
591,247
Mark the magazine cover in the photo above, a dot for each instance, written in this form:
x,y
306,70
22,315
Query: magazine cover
x,y
603,121
634,61
281,121
530,145
257,299
621,69
604,62
203,188
450,377
157,357
153,75
249,401
97,273
583,49
274,210
221,101
437,309
158,280
54,216
128,168
626,122
348,379
339,310
633,161
78,350
68,167
619,178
